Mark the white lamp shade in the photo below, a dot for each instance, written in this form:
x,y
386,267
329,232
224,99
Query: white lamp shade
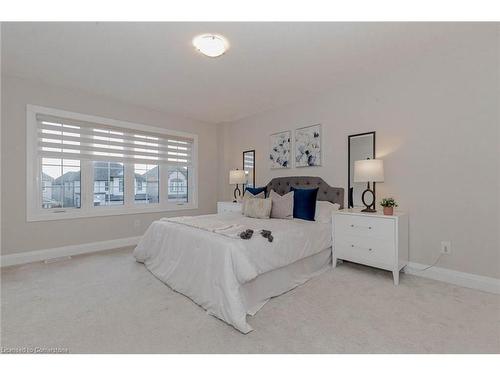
x,y
237,176
370,170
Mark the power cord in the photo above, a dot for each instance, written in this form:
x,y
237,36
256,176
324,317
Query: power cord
x,y
432,265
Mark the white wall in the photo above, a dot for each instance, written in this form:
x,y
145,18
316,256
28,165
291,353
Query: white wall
x,y
17,234
437,123
1,138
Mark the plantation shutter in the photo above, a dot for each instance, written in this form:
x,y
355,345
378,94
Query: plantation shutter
x,y
73,139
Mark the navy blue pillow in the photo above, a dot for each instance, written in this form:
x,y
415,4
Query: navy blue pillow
x,y
257,190
304,203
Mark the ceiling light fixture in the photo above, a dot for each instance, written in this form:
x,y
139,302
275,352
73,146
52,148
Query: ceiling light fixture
x,y
211,45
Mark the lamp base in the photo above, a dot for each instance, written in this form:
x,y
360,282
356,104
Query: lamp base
x,y
369,207
236,190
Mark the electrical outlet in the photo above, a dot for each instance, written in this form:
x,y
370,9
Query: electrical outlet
x,y
446,247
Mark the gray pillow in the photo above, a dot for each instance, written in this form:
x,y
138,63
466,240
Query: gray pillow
x,y
282,207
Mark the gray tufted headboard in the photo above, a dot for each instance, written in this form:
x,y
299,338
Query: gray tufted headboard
x,y
282,185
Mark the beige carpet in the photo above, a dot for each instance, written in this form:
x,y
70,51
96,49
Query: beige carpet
x,y
108,303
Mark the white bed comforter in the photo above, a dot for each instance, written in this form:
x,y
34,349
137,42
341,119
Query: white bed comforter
x,y
195,259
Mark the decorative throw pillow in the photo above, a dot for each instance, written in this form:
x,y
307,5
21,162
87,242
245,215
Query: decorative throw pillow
x,y
282,207
324,211
248,196
256,190
304,203
258,208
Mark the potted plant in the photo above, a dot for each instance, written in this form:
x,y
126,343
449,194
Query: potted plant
x,y
388,204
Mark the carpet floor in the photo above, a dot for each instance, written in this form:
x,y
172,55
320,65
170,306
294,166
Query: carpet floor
x,y
107,303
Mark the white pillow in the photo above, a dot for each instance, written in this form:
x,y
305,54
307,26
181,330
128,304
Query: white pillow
x,y
258,208
324,211
249,196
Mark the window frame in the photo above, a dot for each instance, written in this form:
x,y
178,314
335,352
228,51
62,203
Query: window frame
x,y
34,194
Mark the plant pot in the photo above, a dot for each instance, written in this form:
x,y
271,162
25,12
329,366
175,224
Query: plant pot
x,y
388,210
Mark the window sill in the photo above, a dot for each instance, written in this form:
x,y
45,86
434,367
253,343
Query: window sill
x,y
78,213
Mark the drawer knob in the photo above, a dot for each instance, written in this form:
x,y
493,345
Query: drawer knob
x,y
352,225
370,249
369,227
352,245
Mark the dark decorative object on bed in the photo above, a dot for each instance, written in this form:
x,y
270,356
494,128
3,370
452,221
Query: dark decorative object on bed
x,y
246,235
267,234
283,185
304,203
256,190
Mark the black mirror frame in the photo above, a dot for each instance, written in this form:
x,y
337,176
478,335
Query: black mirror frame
x,y
349,188
254,169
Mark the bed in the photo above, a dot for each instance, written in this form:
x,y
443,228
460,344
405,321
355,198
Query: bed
x,y
203,258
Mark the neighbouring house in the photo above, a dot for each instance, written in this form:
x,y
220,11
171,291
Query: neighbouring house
x,y
65,190
178,184
146,186
108,183
47,182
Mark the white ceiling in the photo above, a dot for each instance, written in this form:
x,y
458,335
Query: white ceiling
x,y
267,65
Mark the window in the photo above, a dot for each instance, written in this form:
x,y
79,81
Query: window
x,y
146,179
60,183
178,184
108,183
82,166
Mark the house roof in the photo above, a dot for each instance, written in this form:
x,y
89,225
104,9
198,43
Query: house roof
x,y
101,170
151,175
67,177
46,177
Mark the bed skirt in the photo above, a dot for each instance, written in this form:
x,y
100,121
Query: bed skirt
x,y
257,292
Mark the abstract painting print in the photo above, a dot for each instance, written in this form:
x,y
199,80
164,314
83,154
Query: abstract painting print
x,y
279,154
308,146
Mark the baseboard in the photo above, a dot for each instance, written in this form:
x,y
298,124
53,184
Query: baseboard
x,y
468,280
40,255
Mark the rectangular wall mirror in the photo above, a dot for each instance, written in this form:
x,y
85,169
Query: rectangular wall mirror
x,y
360,146
249,167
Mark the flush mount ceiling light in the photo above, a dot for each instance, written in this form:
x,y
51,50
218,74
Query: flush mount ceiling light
x,y
211,45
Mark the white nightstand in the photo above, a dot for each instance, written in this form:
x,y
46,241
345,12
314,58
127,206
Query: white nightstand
x,y
223,207
372,239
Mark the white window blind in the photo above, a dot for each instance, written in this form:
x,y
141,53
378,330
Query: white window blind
x,y
72,139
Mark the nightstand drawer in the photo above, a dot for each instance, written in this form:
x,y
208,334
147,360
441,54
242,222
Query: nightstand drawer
x,y
364,248
353,225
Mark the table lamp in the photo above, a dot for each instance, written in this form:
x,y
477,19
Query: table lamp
x,y
369,170
236,177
